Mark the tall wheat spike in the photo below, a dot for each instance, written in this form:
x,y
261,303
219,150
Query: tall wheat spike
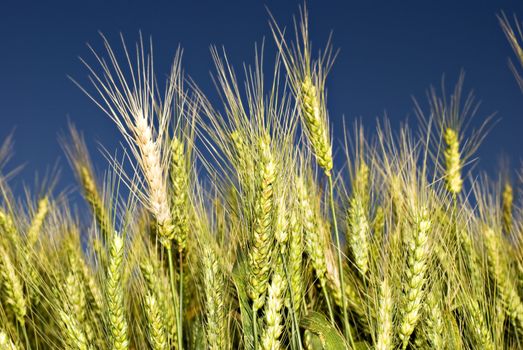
x,y
114,292
417,244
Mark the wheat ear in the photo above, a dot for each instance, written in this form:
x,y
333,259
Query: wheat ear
x,y
315,123
13,291
505,285
214,288
452,162
115,295
273,316
38,221
415,275
153,280
385,337
295,261
358,233
74,336
262,241
93,198
179,183
156,329
5,342
314,242
507,199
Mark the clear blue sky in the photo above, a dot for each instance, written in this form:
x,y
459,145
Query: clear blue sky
x,y
390,51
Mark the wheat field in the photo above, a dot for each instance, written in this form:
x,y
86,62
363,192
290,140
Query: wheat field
x,y
235,226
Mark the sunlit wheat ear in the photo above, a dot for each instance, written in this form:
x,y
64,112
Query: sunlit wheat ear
x,y
417,245
75,301
215,307
314,243
38,221
12,287
114,293
506,287
76,151
358,226
130,98
5,341
8,227
295,259
273,310
243,157
93,292
385,336
358,233
479,325
92,196
162,294
156,329
74,336
434,321
262,241
317,127
472,260
507,199
453,164
180,184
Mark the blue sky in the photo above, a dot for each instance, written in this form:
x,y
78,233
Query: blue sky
x,y
389,52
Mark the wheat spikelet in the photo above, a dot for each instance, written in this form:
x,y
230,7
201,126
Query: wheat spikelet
x,y
115,295
8,227
38,221
156,329
314,243
261,246
452,162
478,326
179,183
434,321
384,338
74,336
75,298
472,260
214,287
245,161
316,125
161,292
13,291
92,196
358,233
273,307
134,107
5,342
295,261
415,279
507,199
505,285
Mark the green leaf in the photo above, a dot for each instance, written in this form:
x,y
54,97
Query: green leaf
x,y
329,336
239,278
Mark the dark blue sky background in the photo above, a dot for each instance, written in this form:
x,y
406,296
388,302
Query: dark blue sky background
x,y
390,51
